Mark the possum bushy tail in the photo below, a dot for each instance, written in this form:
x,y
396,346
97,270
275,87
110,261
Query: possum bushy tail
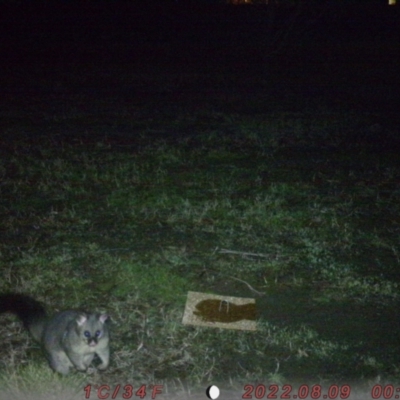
x,y
30,312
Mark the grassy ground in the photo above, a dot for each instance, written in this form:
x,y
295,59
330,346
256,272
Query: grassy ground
x,y
130,224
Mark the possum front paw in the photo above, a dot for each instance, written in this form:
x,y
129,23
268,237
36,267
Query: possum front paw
x,y
102,366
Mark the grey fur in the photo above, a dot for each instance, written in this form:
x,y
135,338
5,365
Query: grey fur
x,y
70,338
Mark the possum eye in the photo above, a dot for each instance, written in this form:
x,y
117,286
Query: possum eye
x,y
98,333
87,334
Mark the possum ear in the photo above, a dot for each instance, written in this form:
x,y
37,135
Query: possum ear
x,y
81,319
103,318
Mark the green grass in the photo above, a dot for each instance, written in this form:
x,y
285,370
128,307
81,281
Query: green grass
x,y
130,229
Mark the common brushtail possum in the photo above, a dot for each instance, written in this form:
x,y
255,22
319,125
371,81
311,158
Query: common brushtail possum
x,y
69,338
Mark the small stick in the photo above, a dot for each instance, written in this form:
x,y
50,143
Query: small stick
x,y
242,253
248,285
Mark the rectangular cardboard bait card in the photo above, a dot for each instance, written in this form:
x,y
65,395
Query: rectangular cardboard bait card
x,y
216,311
